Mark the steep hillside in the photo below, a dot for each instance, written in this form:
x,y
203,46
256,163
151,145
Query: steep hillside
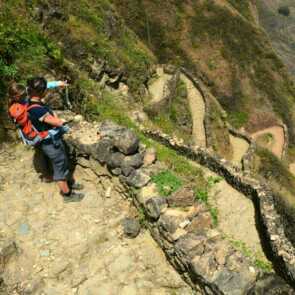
x,y
200,86
280,27
219,41
70,40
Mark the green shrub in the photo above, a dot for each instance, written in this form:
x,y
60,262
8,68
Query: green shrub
x,y
238,119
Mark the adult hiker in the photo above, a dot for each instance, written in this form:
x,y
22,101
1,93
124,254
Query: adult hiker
x,y
44,120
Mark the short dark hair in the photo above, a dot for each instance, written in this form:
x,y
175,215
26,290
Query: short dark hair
x,y
37,86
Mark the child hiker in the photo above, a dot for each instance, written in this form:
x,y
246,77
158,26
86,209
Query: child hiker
x,y
45,131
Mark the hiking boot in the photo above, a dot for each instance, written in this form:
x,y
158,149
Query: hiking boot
x,y
73,197
77,186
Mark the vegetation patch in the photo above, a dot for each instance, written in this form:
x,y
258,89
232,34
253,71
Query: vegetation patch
x,y
167,182
202,195
271,168
175,118
243,7
256,258
237,119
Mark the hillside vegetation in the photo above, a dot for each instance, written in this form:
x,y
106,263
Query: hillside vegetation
x,y
65,39
280,27
221,42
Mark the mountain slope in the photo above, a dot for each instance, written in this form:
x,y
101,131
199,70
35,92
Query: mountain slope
x,y
221,42
280,28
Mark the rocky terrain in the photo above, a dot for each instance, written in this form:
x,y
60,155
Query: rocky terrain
x,y
182,129
52,247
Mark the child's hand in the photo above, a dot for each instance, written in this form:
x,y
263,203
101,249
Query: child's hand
x,y
63,83
64,121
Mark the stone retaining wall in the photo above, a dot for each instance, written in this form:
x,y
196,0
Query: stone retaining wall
x,y
247,158
286,141
194,247
199,252
279,248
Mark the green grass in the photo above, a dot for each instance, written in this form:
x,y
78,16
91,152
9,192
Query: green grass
x,y
202,195
212,180
23,47
214,215
113,42
167,182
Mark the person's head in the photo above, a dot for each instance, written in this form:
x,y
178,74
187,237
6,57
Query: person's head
x,y
16,92
37,87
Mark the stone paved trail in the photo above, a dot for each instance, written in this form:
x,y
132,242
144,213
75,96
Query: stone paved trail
x,y
75,248
236,213
158,88
197,106
240,147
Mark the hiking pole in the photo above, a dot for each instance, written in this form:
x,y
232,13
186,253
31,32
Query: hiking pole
x,y
68,103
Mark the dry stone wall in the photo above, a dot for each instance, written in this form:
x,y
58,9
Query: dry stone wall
x,y
181,226
278,247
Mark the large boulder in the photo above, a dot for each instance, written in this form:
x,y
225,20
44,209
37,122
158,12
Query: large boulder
x,y
126,142
103,150
122,138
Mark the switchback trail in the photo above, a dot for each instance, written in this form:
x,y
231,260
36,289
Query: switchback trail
x,y
276,141
197,107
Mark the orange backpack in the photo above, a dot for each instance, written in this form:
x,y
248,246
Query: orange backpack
x,y
28,133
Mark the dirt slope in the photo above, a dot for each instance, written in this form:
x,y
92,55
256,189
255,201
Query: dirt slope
x,y
75,248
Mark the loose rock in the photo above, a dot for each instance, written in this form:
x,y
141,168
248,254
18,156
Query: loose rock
x,y
154,206
131,227
137,179
182,198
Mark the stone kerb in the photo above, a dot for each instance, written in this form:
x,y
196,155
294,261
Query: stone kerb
x,y
286,140
271,230
198,251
